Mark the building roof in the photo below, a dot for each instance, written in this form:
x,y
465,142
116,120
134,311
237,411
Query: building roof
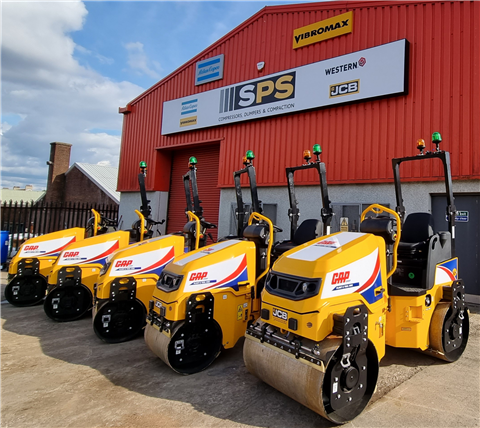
x,y
18,195
104,177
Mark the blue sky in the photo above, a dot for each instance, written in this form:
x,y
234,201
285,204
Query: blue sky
x,y
68,66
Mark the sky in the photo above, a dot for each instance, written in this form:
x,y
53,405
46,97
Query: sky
x,y
66,68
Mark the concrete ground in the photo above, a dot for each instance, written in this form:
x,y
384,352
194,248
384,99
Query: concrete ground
x,y
62,375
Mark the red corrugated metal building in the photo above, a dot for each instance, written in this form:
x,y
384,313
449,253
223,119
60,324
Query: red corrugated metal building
x,y
359,131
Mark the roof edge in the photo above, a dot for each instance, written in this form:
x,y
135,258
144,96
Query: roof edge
x,y
327,5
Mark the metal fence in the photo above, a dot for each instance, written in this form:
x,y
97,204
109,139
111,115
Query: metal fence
x,y
24,220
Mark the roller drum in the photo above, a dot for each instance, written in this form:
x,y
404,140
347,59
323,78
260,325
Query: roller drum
x,y
191,348
307,383
448,334
157,342
26,290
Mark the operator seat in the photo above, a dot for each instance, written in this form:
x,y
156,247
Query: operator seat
x,y
307,231
416,233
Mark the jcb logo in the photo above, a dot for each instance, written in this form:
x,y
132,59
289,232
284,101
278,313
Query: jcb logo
x,y
340,277
123,263
71,254
258,93
346,88
197,276
31,247
281,315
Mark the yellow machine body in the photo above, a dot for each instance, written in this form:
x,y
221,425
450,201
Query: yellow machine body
x,y
125,286
144,261
74,274
409,319
31,265
352,271
216,270
45,248
89,255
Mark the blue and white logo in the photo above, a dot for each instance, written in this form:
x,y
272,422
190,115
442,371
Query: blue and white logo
x,y
189,106
209,70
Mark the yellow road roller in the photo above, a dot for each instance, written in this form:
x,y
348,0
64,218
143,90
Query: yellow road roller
x,y
331,305
126,282
75,272
29,268
205,298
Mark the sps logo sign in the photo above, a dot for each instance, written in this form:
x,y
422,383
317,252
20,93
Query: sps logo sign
x,y
258,93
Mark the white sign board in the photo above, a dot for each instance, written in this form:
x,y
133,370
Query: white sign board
x,y
376,72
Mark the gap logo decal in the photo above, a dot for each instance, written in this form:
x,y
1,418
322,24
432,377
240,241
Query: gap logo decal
x,y
362,276
89,254
446,272
47,248
151,262
225,274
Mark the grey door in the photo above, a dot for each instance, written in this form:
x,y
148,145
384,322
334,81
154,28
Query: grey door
x,y
467,242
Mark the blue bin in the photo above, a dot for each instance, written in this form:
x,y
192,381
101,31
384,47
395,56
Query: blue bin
x,y
4,245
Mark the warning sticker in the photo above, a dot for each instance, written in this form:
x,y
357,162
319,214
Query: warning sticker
x,y
239,312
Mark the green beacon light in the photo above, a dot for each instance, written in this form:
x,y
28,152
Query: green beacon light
x,y
249,155
143,168
192,161
436,139
317,151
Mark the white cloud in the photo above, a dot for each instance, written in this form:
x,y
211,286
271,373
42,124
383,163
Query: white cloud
x,y
57,97
139,62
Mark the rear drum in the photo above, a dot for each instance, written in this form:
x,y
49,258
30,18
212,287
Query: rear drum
x,y
26,290
116,322
68,302
448,335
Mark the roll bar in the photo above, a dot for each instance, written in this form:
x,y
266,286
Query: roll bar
x,y
326,212
256,204
444,157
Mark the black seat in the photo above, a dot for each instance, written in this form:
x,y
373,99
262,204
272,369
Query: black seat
x,y
417,231
307,231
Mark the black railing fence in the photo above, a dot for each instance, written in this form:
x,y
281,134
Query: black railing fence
x,y
24,220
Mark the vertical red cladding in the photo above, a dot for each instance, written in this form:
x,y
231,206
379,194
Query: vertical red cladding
x,y
208,190
358,139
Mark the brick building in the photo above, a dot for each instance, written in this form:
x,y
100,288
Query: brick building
x,y
80,182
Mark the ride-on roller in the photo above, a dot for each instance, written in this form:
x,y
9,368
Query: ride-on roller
x,y
74,274
330,306
29,268
126,282
205,298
